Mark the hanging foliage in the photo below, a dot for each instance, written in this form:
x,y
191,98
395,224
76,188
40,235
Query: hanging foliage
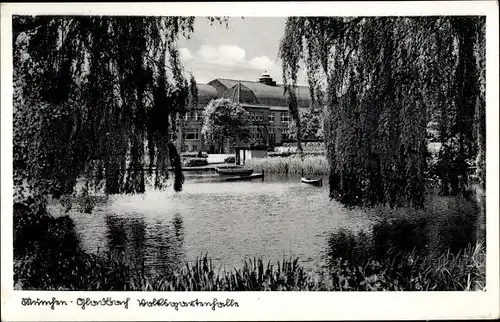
x,y
385,78
94,97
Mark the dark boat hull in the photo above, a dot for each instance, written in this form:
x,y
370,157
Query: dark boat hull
x,y
245,178
234,171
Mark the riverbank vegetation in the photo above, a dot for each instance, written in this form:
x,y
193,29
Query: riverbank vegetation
x,y
194,162
199,154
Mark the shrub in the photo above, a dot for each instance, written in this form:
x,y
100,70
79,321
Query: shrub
x,y
194,162
355,265
48,256
400,235
280,154
434,248
230,159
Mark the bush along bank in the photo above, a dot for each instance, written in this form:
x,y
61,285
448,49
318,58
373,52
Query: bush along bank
x,y
194,162
199,154
48,257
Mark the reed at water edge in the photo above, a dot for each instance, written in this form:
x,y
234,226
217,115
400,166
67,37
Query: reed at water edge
x,y
312,165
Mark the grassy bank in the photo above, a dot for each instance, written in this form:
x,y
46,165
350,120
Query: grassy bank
x,y
312,165
393,255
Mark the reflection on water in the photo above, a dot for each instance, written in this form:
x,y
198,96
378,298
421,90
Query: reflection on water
x,y
156,246
276,218
273,219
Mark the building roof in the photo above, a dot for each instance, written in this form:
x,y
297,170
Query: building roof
x,y
267,94
240,93
206,93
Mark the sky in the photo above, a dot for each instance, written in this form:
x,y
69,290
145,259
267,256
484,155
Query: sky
x,y
243,50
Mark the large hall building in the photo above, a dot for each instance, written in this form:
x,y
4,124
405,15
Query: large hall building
x,y
263,99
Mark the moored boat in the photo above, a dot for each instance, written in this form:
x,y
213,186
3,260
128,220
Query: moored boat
x,y
314,182
246,177
235,171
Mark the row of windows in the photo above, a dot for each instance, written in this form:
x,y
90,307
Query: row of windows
x,y
259,117
285,117
193,116
255,132
272,136
281,130
192,134
254,116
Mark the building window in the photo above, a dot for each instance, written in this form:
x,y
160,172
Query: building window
x,y
195,147
189,116
259,133
261,117
284,133
198,116
285,118
191,134
272,136
271,117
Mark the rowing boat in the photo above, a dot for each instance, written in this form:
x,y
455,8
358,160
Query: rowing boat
x,y
245,178
235,171
314,182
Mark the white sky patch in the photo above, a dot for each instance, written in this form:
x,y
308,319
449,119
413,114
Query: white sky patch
x,y
185,54
226,55
262,63
208,62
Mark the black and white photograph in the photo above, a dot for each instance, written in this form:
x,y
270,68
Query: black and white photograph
x,y
312,153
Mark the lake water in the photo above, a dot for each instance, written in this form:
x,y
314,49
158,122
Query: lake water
x,y
275,218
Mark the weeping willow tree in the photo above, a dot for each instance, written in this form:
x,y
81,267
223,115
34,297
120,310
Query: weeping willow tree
x,y
95,97
383,77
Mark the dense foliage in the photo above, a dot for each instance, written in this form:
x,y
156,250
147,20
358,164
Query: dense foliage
x,y
385,79
230,159
311,125
96,97
224,120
